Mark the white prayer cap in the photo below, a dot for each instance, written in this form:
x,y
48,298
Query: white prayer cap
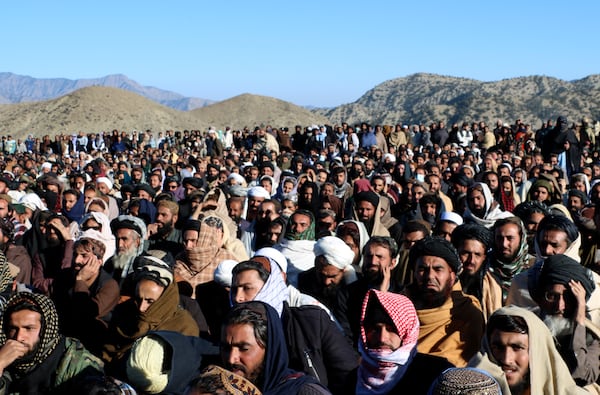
x,y
451,217
104,180
275,255
259,192
223,275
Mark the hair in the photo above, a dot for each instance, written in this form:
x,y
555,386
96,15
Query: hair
x,y
560,223
507,323
250,313
275,202
72,191
94,246
386,242
173,207
251,265
416,225
510,220
525,209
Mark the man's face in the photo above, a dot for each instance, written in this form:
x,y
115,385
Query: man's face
x,y
472,255
575,203
24,326
511,350
411,238
327,190
241,353
235,210
288,187
147,292
540,194
190,239
164,218
274,232
382,336
254,203
435,279
127,242
434,184
328,275
81,257
365,210
155,182
69,201
445,229
299,223
378,185
492,181
3,208
307,194
477,202
376,258
246,285
553,242
558,300
507,242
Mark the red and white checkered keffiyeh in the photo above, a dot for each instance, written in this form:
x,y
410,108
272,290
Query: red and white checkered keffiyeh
x,y
380,370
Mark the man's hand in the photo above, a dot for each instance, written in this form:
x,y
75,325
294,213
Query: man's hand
x,y
89,272
387,278
10,352
579,293
58,226
152,229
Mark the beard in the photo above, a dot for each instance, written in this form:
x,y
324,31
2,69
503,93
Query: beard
x,y
120,260
479,213
164,230
373,277
432,298
255,377
559,326
330,292
53,241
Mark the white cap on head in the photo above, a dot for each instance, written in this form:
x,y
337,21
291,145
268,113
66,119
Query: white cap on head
x,y
451,217
335,251
104,180
259,192
223,275
275,255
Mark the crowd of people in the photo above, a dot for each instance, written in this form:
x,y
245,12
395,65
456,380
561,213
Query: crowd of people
x,y
366,259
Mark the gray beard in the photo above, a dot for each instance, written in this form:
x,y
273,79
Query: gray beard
x,y
559,326
123,259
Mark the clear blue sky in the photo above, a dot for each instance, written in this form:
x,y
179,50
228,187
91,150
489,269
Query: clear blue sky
x,y
322,53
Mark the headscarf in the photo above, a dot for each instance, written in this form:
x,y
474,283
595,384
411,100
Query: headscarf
x,y
231,383
77,211
105,235
492,209
274,291
278,378
548,372
48,337
360,235
6,279
337,205
308,234
380,370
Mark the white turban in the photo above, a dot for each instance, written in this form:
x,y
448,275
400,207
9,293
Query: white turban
x,y
104,180
275,255
335,251
223,275
259,192
237,177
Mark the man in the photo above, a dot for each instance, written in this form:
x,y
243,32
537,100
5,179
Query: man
x,y
451,322
379,258
248,231
55,252
412,232
85,294
333,270
253,346
35,358
531,213
368,211
390,362
519,352
473,243
339,177
130,233
202,253
162,235
481,206
15,254
298,244
446,225
561,289
510,252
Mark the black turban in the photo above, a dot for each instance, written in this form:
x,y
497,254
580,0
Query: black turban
x,y
436,246
369,196
559,269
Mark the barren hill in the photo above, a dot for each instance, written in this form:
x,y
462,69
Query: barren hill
x,y
252,110
429,97
91,109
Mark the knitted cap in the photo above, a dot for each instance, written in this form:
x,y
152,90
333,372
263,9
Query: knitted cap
x,y
145,365
466,381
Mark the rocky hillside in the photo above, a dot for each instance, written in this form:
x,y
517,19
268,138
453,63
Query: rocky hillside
x,y
427,97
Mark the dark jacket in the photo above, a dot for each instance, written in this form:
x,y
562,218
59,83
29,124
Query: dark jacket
x,y
317,347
